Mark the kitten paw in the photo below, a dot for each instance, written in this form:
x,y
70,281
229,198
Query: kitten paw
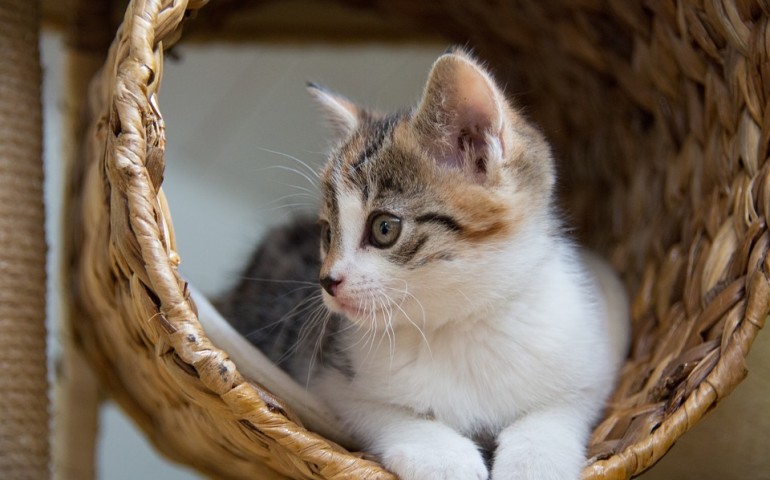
x,y
458,459
534,468
545,445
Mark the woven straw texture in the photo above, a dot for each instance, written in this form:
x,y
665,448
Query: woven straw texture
x,y
24,450
659,114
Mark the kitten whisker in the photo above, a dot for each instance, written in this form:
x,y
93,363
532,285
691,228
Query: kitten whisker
x,y
317,350
293,291
272,280
312,193
309,306
376,321
390,302
294,170
277,201
374,329
464,295
409,319
307,206
287,316
306,327
291,157
314,322
389,330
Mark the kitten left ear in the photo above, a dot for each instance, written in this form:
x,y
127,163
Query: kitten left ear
x,y
341,113
460,117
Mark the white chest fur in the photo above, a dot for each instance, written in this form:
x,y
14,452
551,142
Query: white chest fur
x,y
479,374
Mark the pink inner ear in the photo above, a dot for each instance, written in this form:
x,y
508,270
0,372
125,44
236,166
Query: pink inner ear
x,y
463,143
464,102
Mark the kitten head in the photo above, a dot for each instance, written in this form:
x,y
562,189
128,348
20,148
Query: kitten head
x,y
428,215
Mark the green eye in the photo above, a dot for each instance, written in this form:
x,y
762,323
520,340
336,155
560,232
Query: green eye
x,y
384,230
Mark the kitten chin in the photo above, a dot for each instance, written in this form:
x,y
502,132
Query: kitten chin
x,y
457,311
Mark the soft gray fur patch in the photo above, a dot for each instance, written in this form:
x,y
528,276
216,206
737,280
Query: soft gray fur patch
x,y
276,303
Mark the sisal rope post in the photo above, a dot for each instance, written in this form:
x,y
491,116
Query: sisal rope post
x,y
24,442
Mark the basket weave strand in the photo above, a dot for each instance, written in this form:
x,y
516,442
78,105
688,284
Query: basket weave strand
x,y
658,112
24,450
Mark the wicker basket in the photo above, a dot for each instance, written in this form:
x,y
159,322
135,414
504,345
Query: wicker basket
x,y
659,112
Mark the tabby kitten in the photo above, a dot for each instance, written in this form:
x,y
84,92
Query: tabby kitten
x,y
464,337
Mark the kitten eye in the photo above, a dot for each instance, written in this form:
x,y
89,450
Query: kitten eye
x,y
384,230
326,235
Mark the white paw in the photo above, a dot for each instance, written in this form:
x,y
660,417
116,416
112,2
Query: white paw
x,y
527,458
534,468
454,458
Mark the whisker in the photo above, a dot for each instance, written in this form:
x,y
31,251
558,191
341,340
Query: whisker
x,y
363,336
389,326
374,319
463,294
373,330
305,330
277,201
388,320
304,175
295,290
291,157
293,205
405,291
275,280
317,350
302,306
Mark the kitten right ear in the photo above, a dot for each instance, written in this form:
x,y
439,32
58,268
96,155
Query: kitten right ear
x,y
341,113
461,115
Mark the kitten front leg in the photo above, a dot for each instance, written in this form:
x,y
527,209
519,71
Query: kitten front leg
x,y
418,449
544,445
425,449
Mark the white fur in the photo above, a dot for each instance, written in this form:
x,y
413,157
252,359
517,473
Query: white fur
x,y
510,341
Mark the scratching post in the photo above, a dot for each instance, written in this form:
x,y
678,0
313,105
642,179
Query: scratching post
x,y
24,450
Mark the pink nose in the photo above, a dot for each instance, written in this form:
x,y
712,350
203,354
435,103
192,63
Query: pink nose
x,y
330,284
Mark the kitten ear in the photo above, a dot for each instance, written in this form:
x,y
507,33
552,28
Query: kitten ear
x,y
341,113
460,117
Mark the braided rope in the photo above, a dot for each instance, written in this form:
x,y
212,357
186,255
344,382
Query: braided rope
x,y
24,449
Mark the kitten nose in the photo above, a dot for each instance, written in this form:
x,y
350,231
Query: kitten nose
x,y
330,284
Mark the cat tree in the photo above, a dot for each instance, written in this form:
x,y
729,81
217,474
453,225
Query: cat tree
x,y
24,415
658,112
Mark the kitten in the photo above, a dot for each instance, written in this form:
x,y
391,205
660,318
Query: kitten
x,y
460,319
